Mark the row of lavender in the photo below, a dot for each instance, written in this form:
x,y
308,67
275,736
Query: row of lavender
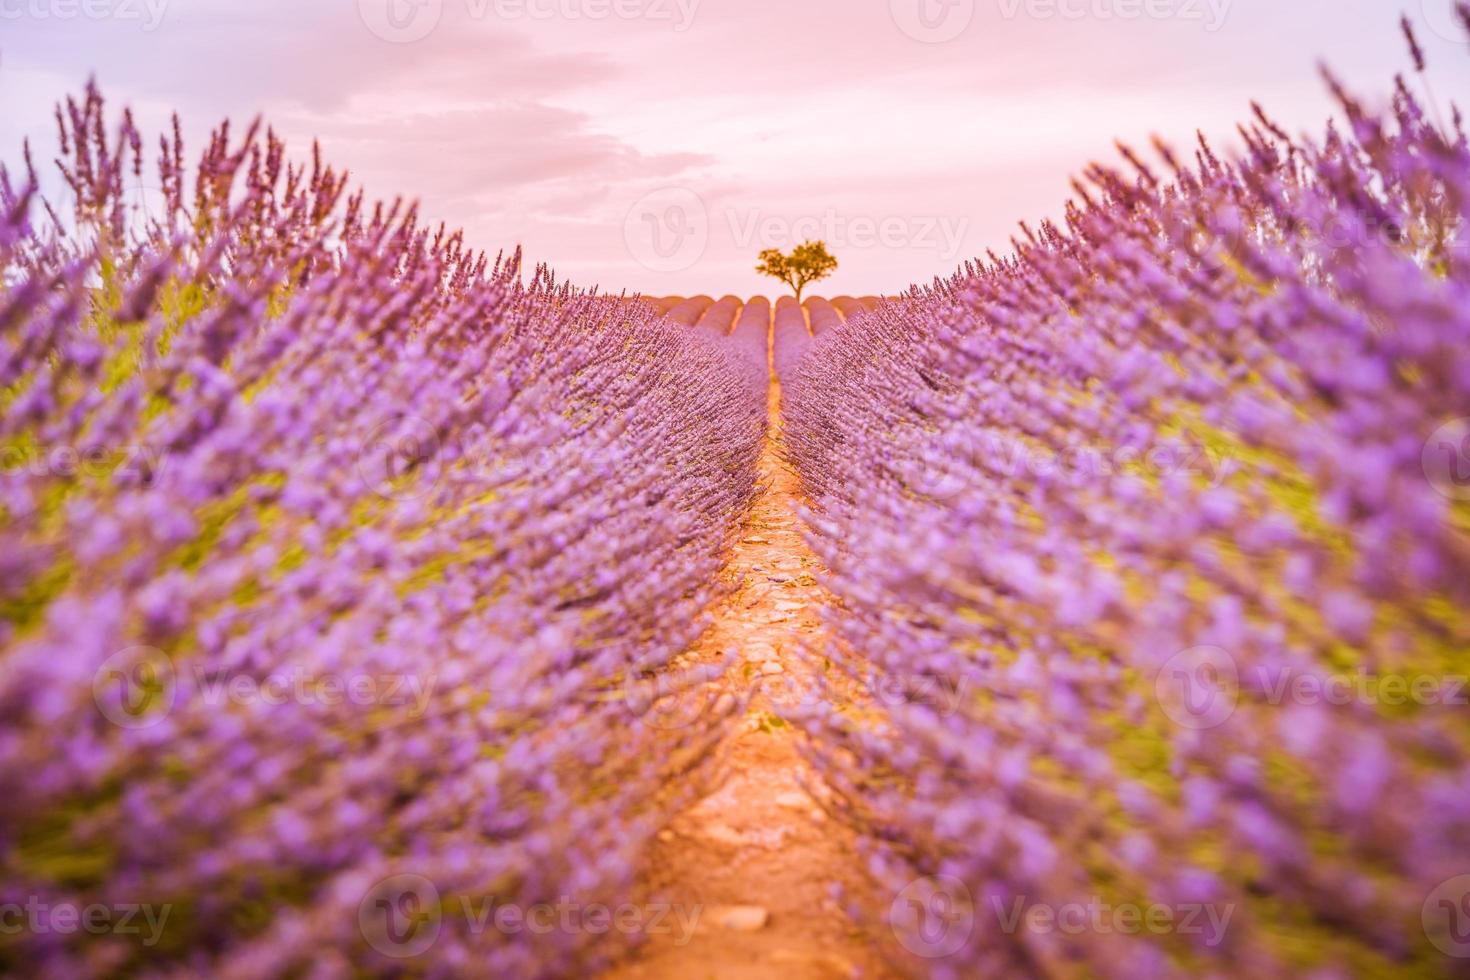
x,y
340,572
1156,537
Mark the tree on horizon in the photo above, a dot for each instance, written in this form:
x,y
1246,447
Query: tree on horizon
x,y
808,262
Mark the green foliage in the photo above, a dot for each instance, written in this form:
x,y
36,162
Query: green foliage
x,y
807,263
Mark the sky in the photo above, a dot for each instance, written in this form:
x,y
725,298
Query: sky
x,y
659,145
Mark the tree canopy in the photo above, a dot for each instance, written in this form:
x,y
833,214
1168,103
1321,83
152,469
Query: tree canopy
x,y
807,263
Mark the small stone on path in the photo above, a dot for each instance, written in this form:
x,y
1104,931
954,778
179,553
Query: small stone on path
x,y
794,801
722,834
739,918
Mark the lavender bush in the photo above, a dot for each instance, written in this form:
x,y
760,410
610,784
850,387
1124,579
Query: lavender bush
x,y
1174,498
335,556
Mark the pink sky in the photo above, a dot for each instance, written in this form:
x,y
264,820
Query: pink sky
x,y
659,145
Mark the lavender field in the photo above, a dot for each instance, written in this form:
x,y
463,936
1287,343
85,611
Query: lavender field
x,y
374,605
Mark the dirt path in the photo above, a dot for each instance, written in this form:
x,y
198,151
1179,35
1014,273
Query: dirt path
x,y
759,855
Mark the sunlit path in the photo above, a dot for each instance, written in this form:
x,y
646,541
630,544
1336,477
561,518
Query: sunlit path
x,y
759,855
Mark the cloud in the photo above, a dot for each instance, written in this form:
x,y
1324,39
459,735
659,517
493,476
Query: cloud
x,y
494,148
319,56
546,129
462,120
